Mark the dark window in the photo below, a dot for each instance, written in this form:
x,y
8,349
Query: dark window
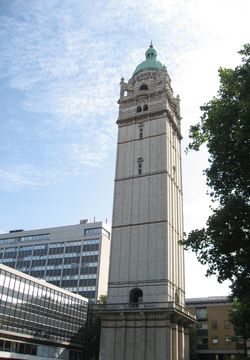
x,y
140,161
145,107
144,87
140,133
136,296
138,109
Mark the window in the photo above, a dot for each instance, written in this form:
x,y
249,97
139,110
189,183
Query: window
x,y
140,161
96,231
201,325
145,107
138,109
201,314
215,340
227,324
228,339
214,324
144,87
136,296
201,341
141,133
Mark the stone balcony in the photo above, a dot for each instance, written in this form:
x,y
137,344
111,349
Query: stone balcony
x,y
174,310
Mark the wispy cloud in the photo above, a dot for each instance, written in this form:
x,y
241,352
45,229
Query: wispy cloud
x,y
62,61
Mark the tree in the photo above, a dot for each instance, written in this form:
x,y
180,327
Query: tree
x,y
102,299
239,317
224,244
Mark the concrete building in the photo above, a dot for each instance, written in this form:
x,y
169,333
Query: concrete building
x,y
74,257
39,320
145,315
214,334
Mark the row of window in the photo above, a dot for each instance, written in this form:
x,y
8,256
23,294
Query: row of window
x,y
50,246
227,339
33,349
24,238
214,325
93,231
203,340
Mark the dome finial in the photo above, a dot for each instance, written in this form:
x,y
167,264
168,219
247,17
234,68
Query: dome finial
x,y
151,44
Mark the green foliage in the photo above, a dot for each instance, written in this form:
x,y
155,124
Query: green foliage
x,y
92,343
102,299
192,343
240,318
224,245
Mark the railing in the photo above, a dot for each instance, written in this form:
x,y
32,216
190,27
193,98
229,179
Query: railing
x,y
142,306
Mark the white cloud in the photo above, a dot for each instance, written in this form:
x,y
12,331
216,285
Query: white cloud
x,y
65,60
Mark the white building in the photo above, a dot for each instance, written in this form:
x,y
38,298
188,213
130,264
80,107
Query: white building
x,y
74,257
145,315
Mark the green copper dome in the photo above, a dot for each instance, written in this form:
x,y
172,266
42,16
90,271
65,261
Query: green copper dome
x,y
150,62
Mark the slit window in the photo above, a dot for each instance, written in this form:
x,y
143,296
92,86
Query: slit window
x,y
140,133
140,161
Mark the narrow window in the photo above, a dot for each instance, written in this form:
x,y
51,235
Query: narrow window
x,y
145,107
214,324
139,168
227,324
140,161
138,109
140,133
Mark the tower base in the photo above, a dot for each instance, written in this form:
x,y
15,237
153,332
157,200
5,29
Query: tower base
x,y
144,332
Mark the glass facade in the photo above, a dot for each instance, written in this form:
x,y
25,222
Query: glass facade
x,y
71,264
39,310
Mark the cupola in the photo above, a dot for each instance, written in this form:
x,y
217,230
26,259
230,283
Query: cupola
x,y
150,62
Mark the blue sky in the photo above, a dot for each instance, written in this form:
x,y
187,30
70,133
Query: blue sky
x,y
61,63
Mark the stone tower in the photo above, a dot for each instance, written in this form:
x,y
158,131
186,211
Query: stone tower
x,y
145,315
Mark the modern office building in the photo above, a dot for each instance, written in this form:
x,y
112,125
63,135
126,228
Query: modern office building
x,y
39,320
145,315
214,334
74,257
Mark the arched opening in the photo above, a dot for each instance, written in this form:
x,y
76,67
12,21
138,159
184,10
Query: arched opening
x,y
144,87
138,109
145,107
136,296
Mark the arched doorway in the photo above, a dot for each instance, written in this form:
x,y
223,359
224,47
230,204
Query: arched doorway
x,y
136,296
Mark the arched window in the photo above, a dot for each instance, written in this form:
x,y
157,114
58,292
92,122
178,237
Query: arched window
x,y
145,107
136,296
138,109
140,161
144,87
